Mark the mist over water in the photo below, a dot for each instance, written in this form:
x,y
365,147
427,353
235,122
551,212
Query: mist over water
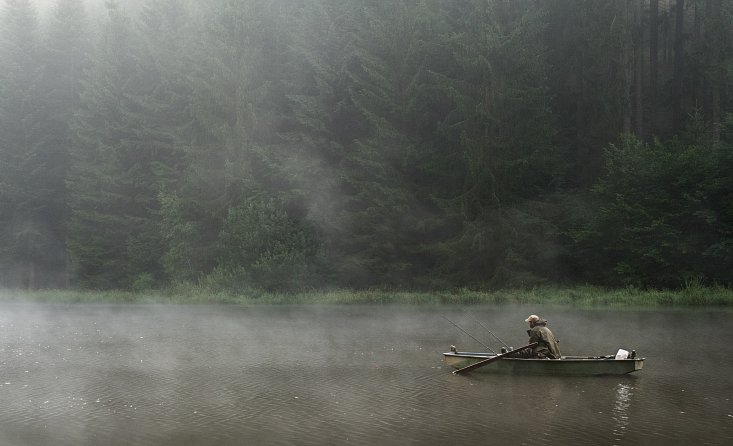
x,y
172,375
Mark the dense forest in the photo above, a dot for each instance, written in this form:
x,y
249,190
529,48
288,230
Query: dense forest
x,y
409,144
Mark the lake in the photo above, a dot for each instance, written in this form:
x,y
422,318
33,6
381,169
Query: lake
x,y
353,375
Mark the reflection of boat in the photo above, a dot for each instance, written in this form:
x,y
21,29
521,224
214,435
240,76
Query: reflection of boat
x,y
567,366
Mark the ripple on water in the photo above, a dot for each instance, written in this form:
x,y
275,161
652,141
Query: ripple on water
x,y
181,375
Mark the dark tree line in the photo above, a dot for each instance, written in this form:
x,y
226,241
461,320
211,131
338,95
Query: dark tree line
x,y
281,144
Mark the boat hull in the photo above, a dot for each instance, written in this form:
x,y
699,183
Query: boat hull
x,y
567,366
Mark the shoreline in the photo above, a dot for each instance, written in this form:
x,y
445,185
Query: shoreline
x,y
581,296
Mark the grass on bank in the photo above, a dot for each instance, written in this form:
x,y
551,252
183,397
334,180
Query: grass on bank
x,y
582,296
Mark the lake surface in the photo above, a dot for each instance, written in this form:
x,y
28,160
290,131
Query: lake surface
x,y
352,375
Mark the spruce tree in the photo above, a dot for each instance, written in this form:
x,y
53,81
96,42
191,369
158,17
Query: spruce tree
x,y
499,129
24,239
238,155
65,50
123,158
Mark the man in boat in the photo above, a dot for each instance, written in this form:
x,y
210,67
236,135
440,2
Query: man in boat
x,y
547,344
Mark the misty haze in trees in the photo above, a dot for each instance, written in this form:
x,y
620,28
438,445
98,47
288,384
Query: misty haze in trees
x,y
416,144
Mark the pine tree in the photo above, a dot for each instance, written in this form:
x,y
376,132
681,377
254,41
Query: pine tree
x,y
501,130
166,29
23,238
122,159
358,123
386,71
588,43
65,56
237,154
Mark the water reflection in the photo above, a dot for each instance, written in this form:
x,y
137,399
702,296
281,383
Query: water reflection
x,y
356,375
624,393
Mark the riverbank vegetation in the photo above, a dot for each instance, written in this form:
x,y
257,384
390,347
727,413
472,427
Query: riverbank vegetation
x,y
585,296
432,145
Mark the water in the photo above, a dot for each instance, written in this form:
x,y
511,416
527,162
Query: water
x,y
356,375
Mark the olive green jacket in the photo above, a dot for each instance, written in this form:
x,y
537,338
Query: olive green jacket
x,y
548,345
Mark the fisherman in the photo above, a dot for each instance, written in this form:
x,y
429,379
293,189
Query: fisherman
x,y
547,344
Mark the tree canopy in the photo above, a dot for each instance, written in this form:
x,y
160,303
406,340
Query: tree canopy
x,y
416,144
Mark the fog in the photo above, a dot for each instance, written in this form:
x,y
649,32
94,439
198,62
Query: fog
x,y
93,7
246,147
167,375
287,145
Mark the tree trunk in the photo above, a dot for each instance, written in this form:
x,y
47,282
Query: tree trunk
x,y
717,35
628,61
653,51
678,65
638,72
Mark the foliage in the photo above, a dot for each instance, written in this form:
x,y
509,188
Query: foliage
x,y
663,214
22,235
261,246
256,146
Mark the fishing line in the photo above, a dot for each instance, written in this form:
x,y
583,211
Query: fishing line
x,y
469,334
492,334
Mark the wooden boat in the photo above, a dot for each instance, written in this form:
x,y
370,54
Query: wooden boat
x,y
566,366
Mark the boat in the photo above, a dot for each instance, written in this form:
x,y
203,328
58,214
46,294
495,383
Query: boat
x,y
565,366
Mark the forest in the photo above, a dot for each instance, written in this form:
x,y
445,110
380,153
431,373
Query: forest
x,y
357,144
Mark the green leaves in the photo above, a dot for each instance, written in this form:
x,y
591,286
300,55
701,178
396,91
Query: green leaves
x,y
265,246
657,220
124,155
362,143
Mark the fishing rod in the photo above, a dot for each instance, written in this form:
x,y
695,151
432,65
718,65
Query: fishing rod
x,y
492,334
469,334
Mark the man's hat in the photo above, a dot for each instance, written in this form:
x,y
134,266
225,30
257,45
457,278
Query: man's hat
x,y
532,318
